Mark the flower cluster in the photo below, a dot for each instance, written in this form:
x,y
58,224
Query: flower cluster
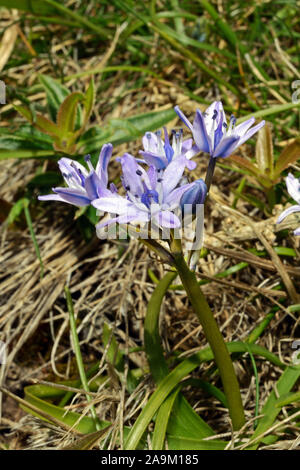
x,y
156,188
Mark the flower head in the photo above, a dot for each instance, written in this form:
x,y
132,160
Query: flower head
x,y
160,154
150,195
213,135
83,185
293,187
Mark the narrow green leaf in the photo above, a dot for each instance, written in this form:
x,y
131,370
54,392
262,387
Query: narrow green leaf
x,y
185,443
25,112
55,92
33,153
270,411
45,125
287,399
175,377
31,6
32,234
162,419
185,417
89,441
290,154
89,100
66,114
129,129
264,151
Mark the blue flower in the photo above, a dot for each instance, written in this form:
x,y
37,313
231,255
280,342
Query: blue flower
x,y
83,185
160,154
293,187
150,195
213,135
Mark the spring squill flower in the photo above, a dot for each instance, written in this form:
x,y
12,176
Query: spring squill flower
x,y
150,195
83,185
293,187
160,154
213,135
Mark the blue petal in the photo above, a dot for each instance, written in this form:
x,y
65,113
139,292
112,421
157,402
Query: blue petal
x,y
93,185
104,157
183,117
226,146
73,196
159,163
200,133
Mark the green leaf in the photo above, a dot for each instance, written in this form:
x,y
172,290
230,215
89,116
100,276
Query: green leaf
x,y
161,422
89,441
45,125
31,6
289,155
66,113
15,211
114,356
45,180
270,411
264,151
174,378
33,153
25,112
287,399
132,128
245,164
184,418
55,92
89,101
185,443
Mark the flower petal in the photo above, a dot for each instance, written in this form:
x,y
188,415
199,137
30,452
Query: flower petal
x,y
226,146
293,187
154,160
242,128
183,118
102,164
174,197
113,205
200,133
167,219
92,185
173,174
287,212
251,132
132,174
73,196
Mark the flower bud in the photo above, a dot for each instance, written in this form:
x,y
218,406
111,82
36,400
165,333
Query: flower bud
x,y
193,196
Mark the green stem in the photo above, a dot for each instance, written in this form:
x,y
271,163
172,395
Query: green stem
x,y
78,356
213,336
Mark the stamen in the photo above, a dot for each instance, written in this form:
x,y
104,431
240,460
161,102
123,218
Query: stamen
x,y
159,142
215,115
139,172
87,159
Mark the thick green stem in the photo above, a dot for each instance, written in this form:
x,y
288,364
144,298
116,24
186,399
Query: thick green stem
x,y
214,337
